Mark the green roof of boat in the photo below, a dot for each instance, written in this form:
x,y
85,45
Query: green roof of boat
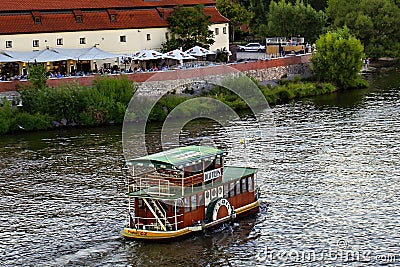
x,y
178,157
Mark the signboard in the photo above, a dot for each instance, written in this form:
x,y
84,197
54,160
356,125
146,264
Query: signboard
x,y
213,174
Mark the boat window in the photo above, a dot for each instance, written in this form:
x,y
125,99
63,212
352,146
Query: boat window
x,y
232,189
237,188
209,165
200,198
226,191
250,183
194,202
178,208
187,204
140,203
244,185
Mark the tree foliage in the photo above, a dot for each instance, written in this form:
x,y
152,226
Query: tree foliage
x,y
37,75
338,58
375,22
189,26
287,19
236,13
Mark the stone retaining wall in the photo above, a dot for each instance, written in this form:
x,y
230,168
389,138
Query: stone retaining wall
x,y
262,70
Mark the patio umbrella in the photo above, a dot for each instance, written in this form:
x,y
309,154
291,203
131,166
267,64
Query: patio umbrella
x,y
45,55
48,56
94,53
198,51
178,55
147,55
6,58
20,56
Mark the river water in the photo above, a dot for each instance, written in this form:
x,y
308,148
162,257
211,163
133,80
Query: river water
x,y
330,192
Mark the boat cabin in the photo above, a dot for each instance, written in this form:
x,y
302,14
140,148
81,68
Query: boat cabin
x,y
185,189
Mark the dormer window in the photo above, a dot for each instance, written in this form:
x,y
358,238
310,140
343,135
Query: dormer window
x,y
160,12
78,16
112,14
37,19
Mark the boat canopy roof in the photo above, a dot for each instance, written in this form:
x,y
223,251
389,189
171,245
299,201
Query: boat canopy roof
x,y
178,158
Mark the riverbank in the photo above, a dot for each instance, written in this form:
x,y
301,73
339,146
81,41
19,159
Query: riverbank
x,y
105,103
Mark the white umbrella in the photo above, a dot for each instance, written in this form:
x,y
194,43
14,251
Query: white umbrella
x,y
6,58
198,51
21,56
178,55
71,53
48,56
94,53
147,55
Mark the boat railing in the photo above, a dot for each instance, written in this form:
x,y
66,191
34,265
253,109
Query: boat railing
x,y
151,223
152,186
194,179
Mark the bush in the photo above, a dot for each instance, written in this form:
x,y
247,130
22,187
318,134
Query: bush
x,y
101,103
338,58
6,114
162,108
29,122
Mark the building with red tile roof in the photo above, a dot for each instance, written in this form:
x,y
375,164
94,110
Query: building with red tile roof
x,y
115,26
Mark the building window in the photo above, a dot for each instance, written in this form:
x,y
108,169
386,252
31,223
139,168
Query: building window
x,y
35,43
113,18
224,30
167,35
82,40
216,31
8,44
78,19
38,20
148,37
59,41
122,38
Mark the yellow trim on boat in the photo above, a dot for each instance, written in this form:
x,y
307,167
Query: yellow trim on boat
x,y
158,235
147,234
248,207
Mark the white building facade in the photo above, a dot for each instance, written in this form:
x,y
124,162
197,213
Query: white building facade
x,y
115,26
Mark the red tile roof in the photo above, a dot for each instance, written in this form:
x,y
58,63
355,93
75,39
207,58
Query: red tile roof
x,y
97,19
29,5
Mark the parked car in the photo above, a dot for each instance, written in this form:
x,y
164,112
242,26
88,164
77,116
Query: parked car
x,y
251,47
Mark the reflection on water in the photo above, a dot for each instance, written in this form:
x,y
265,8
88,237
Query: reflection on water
x,y
330,186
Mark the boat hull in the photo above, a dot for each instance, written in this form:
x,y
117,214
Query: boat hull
x,y
140,234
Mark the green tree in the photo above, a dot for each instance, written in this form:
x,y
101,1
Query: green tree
x,y
318,4
189,26
338,58
37,75
236,13
260,10
375,22
287,19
